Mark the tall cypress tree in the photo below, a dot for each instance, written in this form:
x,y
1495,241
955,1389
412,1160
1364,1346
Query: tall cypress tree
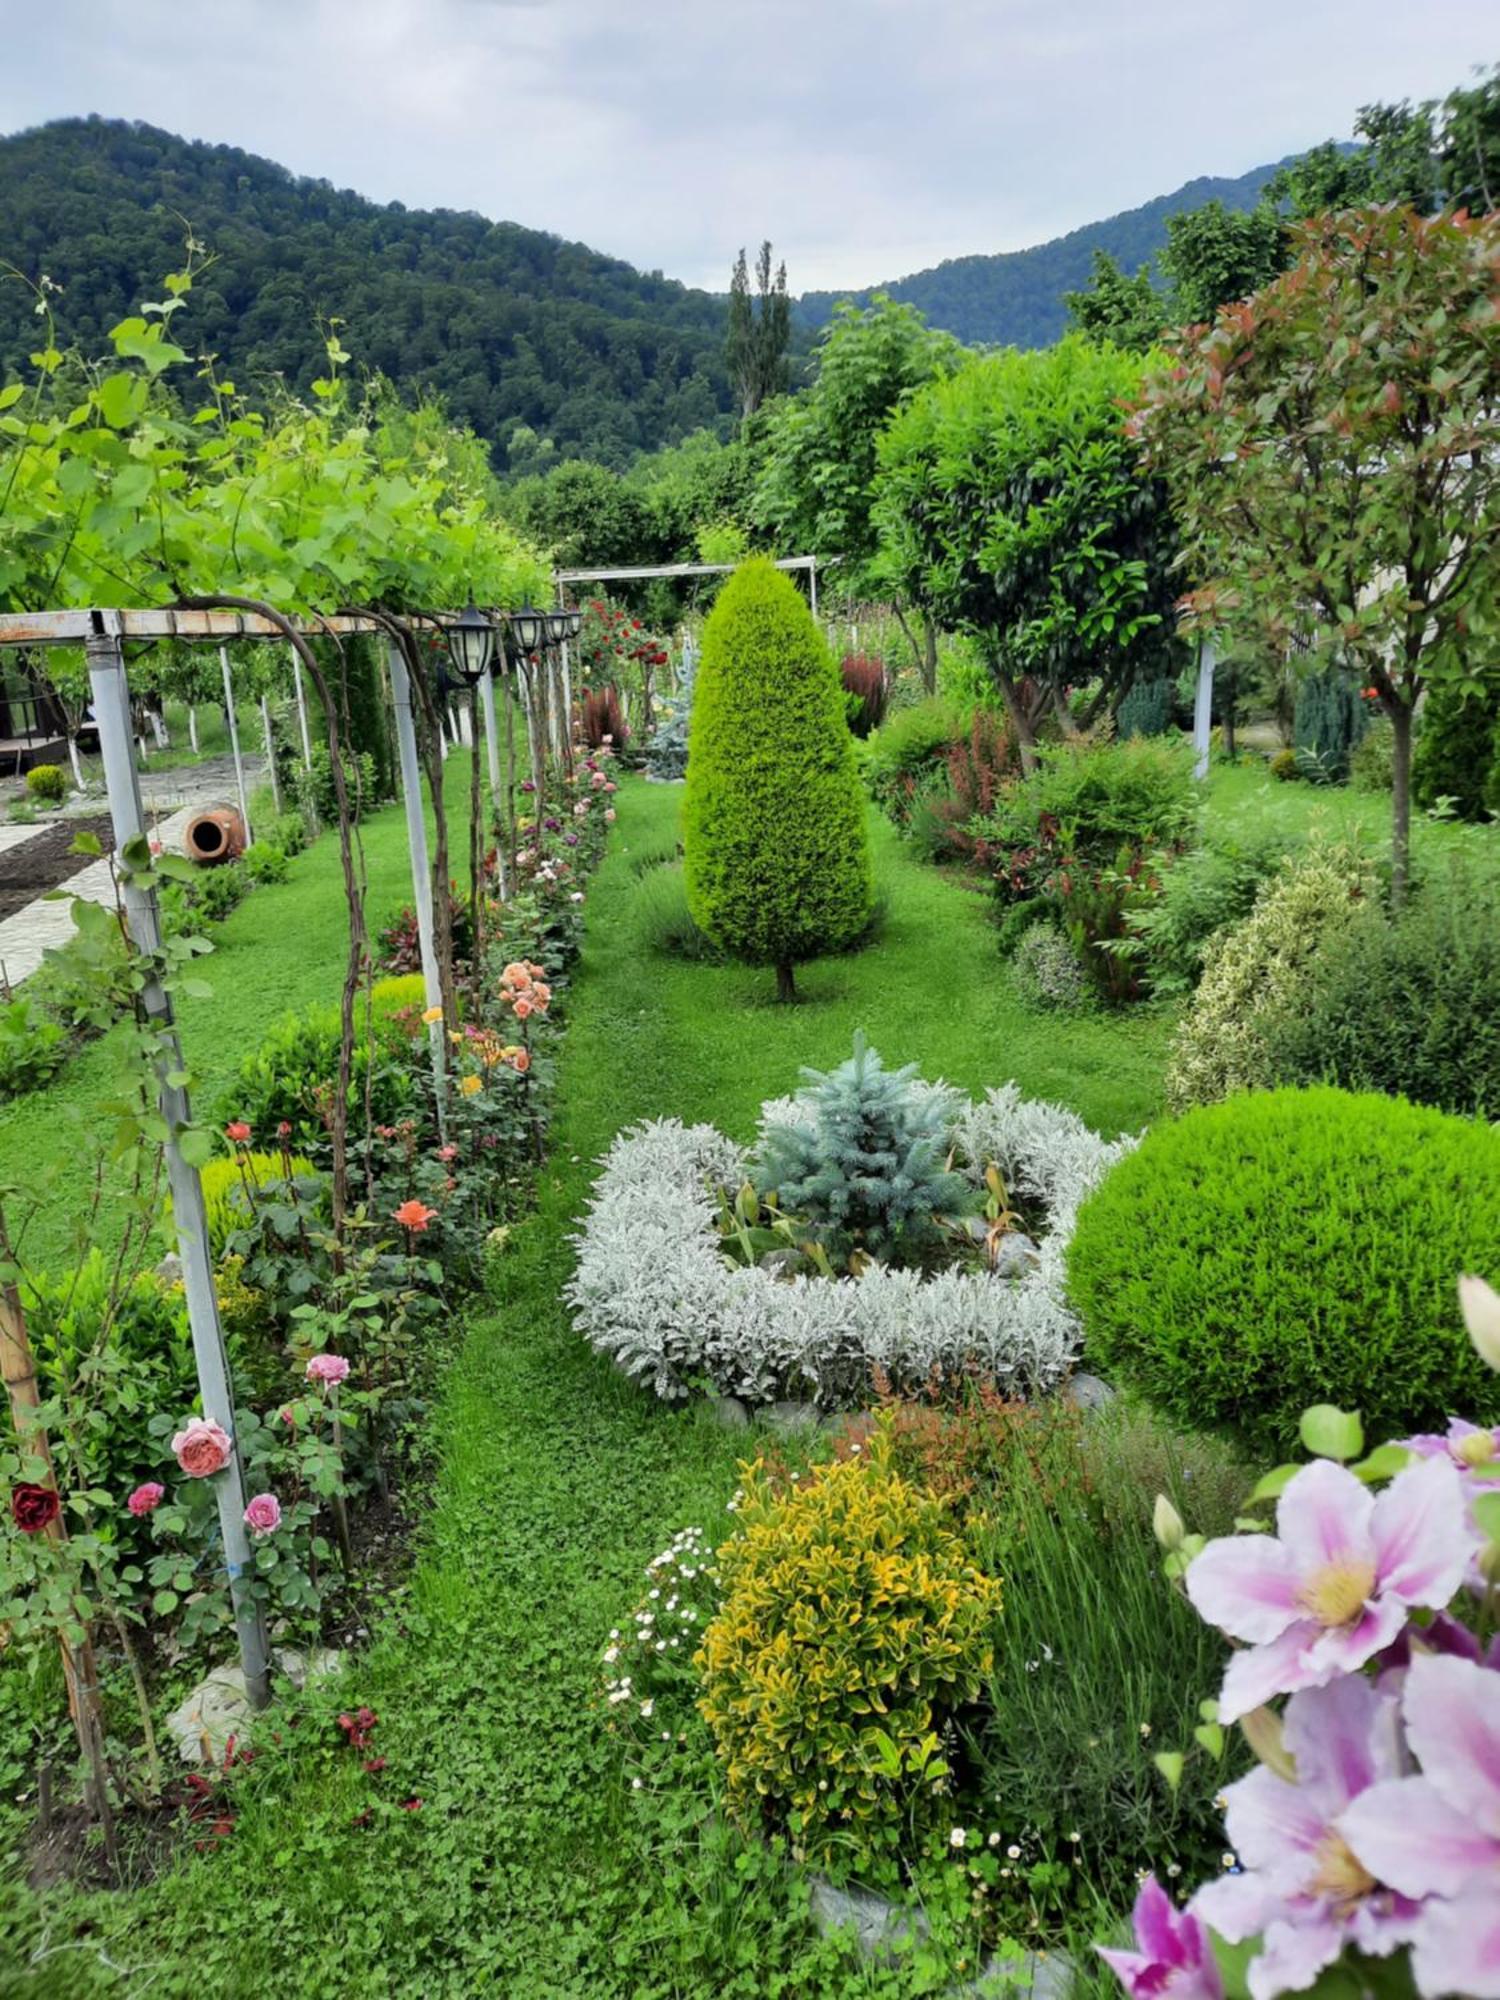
x,y
776,849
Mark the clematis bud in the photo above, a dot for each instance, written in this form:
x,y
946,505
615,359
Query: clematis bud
x,y
1167,1524
1480,1305
1263,1732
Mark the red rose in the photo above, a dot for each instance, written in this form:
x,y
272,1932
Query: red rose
x,y
33,1508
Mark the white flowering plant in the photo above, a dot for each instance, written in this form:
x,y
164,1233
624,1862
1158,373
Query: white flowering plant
x,y
654,1292
648,1685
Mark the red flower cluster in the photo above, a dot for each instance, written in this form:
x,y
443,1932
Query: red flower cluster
x,y
357,1727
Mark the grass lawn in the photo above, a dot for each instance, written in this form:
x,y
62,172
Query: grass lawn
x,y
281,949
527,1871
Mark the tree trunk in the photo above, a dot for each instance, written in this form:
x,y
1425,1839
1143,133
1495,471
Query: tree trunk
x,y
786,985
1020,716
1400,716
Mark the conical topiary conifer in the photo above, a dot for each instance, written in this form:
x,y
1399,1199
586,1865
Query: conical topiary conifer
x,y
776,850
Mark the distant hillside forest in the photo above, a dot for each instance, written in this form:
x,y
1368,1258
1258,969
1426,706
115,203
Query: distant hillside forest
x,y
514,329
1016,298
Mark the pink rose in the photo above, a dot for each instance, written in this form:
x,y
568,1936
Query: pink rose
x,y
611,788
609,815
201,1448
263,1515
597,780
328,1369
147,1498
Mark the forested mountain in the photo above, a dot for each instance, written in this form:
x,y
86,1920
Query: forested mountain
x,y
510,326
1015,298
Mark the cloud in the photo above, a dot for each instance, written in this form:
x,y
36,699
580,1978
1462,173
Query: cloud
x,y
868,139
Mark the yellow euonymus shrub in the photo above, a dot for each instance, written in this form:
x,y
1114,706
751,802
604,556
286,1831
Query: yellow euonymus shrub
x,y
853,1624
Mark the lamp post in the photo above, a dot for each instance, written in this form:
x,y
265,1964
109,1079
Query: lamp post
x,y
471,645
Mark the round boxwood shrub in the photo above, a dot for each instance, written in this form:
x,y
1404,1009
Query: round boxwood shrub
x,y
1292,1247
48,782
774,840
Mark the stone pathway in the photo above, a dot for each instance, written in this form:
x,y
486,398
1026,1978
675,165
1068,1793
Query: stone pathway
x,y
43,925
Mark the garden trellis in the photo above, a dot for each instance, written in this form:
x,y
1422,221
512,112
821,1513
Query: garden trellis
x,y
103,635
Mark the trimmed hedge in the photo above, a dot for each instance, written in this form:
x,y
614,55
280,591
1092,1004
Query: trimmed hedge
x,y
775,847
1293,1247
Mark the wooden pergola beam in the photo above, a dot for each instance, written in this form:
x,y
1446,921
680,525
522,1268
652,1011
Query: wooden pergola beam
x,y
73,628
644,573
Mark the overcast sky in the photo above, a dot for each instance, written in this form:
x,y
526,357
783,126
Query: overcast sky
x,y
867,138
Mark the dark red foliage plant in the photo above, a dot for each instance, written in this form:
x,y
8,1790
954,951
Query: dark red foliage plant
x,y
867,680
604,718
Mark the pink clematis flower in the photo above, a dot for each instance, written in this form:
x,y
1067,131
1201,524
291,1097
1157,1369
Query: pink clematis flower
x,y
1301,1886
1438,1836
1172,1959
1468,1447
1333,1586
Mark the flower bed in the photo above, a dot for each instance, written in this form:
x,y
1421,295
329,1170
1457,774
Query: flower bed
x,y
653,1291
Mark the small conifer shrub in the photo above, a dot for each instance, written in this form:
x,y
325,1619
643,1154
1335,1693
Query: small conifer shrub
x,y
866,1164
775,844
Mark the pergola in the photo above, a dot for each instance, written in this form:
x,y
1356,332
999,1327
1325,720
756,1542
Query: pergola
x,y
103,634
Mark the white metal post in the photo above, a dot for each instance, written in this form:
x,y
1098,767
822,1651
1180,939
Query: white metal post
x,y
812,579
265,723
112,713
421,867
567,695
497,795
302,712
234,742
491,734
1203,709
193,727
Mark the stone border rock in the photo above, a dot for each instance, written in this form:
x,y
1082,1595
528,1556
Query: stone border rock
x,y
883,1930
652,1292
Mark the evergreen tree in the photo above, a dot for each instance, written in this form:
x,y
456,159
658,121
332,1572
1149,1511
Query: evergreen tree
x,y
1455,752
868,1169
775,842
1328,723
760,332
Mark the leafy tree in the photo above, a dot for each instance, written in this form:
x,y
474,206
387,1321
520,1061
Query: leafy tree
x,y
775,846
760,332
1330,447
584,514
817,488
1468,145
1012,504
1128,312
1215,256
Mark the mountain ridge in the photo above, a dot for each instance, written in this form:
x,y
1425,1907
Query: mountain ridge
x,y
1015,297
547,348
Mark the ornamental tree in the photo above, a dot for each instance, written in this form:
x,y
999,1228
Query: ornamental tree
x,y
818,485
1331,449
1012,503
776,851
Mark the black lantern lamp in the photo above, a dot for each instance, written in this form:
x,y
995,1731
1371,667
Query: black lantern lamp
x,y
557,625
575,624
526,628
471,642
